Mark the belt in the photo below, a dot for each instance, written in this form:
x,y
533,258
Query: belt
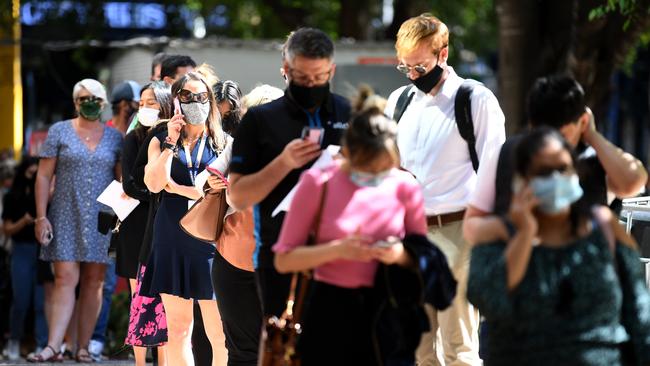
x,y
444,219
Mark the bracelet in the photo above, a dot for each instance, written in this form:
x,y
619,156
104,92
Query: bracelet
x,y
169,146
40,219
168,140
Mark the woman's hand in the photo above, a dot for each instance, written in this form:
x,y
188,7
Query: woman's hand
x,y
355,248
394,254
42,227
521,210
216,183
174,127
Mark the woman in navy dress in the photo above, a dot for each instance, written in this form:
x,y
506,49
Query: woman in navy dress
x,y
179,266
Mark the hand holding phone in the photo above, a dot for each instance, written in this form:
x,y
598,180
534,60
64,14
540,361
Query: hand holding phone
x,y
177,106
313,134
217,173
386,243
47,238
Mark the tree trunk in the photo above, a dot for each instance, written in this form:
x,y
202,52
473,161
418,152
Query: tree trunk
x,y
517,57
403,10
355,18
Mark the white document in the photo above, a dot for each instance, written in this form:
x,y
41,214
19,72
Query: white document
x,y
114,197
326,158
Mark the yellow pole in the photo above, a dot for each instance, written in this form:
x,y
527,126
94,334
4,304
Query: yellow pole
x,y
11,90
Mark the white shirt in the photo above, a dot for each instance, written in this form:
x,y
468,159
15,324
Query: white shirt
x,y
432,149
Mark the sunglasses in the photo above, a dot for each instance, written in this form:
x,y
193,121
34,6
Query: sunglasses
x,y
420,69
186,96
89,98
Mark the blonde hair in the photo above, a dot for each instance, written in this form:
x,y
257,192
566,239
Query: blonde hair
x,y
424,27
208,73
260,95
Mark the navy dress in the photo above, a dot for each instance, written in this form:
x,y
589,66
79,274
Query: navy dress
x,y
179,264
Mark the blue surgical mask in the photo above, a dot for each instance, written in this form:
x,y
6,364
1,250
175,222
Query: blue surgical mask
x,y
556,192
363,179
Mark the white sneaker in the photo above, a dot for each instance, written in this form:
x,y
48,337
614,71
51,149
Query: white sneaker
x,y
12,350
95,348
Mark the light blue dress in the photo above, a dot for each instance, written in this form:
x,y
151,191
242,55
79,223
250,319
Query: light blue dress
x,y
81,175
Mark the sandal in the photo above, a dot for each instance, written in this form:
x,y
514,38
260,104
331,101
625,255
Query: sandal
x,y
55,357
83,356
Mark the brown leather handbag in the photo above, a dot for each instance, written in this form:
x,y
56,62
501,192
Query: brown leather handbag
x,y
204,220
280,335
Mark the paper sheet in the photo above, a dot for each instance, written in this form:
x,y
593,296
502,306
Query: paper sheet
x,y
115,198
325,159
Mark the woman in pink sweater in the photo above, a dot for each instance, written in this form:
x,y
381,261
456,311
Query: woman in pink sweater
x,y
368,205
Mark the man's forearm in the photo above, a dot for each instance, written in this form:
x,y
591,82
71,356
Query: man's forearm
x,y
625,173
248,190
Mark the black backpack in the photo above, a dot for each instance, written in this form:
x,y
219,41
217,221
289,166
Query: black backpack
x,y
462,111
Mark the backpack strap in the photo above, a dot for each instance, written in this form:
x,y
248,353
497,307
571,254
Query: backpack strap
x,y
402,103
464,121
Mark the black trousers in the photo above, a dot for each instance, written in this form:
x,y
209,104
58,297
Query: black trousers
x,y
273,290
241,311
337,327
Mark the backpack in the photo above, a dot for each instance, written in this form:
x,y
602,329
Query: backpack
x,y
462,111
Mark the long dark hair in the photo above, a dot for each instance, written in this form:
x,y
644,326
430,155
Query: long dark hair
x,y
22,186
163,95
216,135
228,90
529,146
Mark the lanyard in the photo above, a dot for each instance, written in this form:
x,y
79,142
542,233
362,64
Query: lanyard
x,y
314,119
194,168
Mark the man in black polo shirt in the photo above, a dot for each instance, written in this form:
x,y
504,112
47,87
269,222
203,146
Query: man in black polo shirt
x,y
269,154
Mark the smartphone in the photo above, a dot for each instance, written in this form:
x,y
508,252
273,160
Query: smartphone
x,y
177,106
389,242
216,172
313,134
47,238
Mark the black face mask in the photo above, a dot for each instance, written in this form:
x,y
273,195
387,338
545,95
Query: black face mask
x,y
429,80
309,97
229,122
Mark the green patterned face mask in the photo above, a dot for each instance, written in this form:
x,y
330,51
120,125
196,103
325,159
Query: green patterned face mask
x,y
90,110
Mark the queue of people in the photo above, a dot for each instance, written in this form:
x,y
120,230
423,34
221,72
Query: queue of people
x,y
415,231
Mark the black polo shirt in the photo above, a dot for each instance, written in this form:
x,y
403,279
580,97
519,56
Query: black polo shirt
x,y
261,136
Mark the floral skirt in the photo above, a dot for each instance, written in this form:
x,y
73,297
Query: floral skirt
x,y
147,321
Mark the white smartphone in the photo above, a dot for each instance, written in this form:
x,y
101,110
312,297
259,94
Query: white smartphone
x,y
387,243
313,134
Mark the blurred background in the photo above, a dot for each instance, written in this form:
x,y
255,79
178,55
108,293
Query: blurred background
x,y
48,45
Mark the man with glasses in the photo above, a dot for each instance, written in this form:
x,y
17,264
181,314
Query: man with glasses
x,y
269,153
432,148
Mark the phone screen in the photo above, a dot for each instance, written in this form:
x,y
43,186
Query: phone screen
x,y
313,134
177,106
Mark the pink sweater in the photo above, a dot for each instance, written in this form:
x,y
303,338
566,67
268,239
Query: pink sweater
x,y
394,208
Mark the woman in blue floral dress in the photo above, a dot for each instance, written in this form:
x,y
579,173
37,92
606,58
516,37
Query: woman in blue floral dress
x,y
81,156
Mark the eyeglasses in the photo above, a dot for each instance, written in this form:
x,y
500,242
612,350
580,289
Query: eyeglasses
x,y
304,79
186,96
88,98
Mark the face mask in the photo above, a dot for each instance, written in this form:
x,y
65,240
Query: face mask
x,y
556,192
90,110
363,179
309,97
429,80
229,122
196,113
148,116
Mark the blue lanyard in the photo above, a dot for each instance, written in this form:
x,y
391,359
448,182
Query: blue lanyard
x,y
191,167
314,119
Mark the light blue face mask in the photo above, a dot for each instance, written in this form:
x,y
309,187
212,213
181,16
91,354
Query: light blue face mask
x,y
556,192
363,179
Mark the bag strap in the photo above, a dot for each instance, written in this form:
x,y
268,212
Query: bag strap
x,y
294,306
606,228
463,115
402,103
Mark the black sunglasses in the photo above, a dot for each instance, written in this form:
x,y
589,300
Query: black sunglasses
x,y
186,96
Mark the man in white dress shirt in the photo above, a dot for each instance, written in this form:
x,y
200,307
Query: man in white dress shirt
x,y
431,147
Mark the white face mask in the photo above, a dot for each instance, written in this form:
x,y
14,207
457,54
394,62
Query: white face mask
x,y
148,116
